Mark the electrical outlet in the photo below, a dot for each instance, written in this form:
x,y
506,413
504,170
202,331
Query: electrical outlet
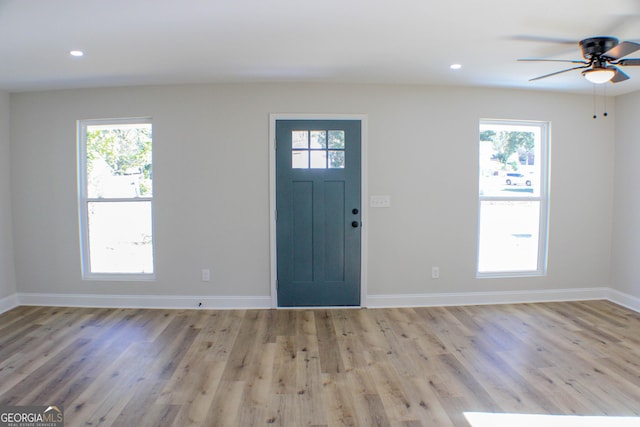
x,y
206,275
435,272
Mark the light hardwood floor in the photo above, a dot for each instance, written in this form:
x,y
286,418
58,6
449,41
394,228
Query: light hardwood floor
x,y
360,367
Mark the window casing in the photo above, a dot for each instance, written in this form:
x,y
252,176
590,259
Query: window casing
x,y
115,199
513,198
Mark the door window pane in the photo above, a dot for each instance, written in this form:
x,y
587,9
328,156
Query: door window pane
x,y
336,159
300,159
319,159
336,139
299,139
318,139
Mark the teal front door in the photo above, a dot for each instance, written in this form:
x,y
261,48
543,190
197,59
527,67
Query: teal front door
x,y
318,218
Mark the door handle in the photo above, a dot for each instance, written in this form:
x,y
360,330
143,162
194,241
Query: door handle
x,y
355,224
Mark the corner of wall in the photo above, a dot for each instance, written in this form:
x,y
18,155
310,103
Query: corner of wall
x,y
7,261
9,303
625,246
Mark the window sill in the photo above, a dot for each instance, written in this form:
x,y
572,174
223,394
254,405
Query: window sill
x,y
119,277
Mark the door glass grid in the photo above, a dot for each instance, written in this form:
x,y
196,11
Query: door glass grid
x,y
317,149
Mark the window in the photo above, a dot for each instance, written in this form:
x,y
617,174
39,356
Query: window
x,y
115,193
513,196
317,149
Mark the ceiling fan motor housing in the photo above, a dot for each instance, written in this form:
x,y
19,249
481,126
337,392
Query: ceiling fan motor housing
x,y
593,47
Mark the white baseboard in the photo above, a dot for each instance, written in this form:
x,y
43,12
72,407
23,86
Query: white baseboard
x,y
373,301
484,298
9,302
624,300
145,301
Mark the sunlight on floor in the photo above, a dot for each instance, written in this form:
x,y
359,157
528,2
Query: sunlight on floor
x,y
484,419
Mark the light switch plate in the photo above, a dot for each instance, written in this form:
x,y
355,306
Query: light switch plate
x,y
380,201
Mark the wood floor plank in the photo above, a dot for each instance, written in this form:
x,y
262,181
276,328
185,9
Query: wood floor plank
x,y
225,407
391,390
330,360
243,357
194,410
341,410
309,394
426,405
321,367
220,333
258,389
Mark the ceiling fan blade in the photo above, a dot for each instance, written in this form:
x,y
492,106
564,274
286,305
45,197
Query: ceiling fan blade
x,y
619,76
571,61
549,46
557,72
629,62
621,50
530,38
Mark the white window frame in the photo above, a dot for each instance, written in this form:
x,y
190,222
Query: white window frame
x,y
542,197
84,200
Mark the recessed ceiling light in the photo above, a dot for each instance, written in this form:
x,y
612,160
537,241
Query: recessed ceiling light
x,y
455,66
76,53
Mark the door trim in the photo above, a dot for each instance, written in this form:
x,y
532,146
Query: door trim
x,y
272,195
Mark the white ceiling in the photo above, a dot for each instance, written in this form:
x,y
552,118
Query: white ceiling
x,y
143,42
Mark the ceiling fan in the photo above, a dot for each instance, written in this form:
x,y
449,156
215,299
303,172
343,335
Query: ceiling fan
x,y
602,58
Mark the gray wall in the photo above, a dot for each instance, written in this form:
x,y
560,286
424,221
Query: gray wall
x,y
7,272
625,265
211,185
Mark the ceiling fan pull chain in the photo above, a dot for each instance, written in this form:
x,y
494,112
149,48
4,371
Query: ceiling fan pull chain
x,y
595,116
604,88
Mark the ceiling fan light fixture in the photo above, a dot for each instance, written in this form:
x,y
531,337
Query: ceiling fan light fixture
x,y
599,75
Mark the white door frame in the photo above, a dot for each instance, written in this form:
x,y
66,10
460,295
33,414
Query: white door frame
x,y
272,195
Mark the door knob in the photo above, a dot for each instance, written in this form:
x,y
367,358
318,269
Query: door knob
x,y
355,224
